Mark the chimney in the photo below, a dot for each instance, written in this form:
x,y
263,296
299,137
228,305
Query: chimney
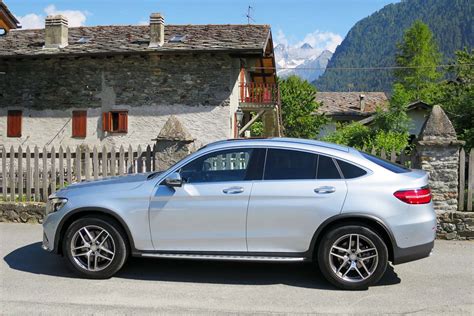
x,y
362,102
56,31
157,30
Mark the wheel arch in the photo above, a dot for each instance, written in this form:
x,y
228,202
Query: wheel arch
x,y
86,211
371,221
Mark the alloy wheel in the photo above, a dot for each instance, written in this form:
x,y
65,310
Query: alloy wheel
x,y
353,258
92,248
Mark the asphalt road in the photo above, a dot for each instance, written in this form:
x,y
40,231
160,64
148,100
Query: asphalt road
x,y
35,282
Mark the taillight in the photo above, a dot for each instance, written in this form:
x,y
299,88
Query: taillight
x,y
416,196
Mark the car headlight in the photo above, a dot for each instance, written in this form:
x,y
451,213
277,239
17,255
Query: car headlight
x,y
55,204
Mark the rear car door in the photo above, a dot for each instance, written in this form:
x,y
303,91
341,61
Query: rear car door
x,y
299,191
208,212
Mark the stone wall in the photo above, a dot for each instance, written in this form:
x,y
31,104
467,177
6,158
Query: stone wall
x,y
198,89
32,213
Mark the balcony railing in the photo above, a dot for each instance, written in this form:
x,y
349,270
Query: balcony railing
x,y
259,93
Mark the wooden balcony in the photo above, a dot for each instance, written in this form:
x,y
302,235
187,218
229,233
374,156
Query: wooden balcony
x,y
254,96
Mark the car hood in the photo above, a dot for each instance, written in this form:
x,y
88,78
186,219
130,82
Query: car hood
x,y
126,182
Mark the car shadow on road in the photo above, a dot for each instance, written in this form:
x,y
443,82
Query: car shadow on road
x,y
31,258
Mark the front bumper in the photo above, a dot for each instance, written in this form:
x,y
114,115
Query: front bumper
x,y
402,255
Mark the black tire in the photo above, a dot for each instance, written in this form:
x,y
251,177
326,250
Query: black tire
x,y
116,237
339,233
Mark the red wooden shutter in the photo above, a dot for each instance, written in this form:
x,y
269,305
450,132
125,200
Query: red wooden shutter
x,y
14,123
79,123
122,122
107,122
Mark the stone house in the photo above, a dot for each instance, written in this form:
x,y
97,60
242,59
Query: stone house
x,y
119,85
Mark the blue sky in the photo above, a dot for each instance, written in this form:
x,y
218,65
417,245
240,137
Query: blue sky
x,y
293,22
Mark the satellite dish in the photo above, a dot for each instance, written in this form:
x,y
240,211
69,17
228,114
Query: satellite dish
x,y
3,31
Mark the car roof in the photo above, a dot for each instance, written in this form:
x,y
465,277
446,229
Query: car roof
x,y
296,142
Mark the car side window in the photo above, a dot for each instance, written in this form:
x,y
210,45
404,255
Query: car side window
x,y
227,165
284,164
327,169
349,171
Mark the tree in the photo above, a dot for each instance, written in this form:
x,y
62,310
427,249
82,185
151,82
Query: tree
x,y
457,96
298,107
418,58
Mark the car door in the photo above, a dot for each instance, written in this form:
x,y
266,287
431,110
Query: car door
x,y
299,191
208,212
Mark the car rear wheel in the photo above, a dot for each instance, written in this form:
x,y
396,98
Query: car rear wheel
x,y
95,247
352,257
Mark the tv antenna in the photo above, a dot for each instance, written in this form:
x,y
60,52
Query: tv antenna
x,y
249,15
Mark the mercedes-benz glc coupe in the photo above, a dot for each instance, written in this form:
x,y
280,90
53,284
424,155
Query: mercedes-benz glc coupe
x,y
251,200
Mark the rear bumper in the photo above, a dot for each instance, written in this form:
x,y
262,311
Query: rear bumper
x,y
402,255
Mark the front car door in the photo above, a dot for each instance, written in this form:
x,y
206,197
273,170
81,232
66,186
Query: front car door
x,y
208,212
298,192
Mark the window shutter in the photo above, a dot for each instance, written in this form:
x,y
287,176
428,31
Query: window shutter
x,y
14,123
123,122
107,121
79,123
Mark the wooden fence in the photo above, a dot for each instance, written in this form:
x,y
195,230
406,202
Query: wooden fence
x,y
466,180
32,175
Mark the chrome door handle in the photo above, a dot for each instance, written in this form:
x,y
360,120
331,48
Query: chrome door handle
x,y
325,190
233,190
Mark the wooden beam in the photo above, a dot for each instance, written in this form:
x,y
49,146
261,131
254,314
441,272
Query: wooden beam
x,y
255,118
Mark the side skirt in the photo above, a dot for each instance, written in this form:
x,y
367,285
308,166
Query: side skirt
x,y
226,257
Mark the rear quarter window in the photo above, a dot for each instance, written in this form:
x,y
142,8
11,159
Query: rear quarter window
x,y
350,171
394,167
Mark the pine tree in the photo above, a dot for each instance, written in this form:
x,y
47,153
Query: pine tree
x,y
418,57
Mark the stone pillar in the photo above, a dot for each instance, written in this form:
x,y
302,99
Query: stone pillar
x,y
269,123
173,143
438,153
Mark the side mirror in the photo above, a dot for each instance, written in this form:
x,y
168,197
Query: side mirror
x,y
174,180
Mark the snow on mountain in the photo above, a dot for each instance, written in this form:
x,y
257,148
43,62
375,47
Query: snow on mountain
x,y
304,61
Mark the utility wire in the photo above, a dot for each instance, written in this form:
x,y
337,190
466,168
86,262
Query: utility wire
x,y
361,68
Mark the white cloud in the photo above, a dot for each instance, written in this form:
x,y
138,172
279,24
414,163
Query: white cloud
x,y
36,21
31,21
280,38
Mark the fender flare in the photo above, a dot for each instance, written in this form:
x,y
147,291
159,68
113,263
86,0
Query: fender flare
x,y
61,229
348,217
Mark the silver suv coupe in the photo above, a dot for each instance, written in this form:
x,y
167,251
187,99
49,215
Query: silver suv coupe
x,y
251,200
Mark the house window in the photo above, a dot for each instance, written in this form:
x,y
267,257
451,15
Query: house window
x,y
79,123
14,123
115,121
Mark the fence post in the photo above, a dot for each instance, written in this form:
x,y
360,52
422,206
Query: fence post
x,y
95,163
68,165
36,175
470,181
78,164
4,173
12,174
44,197
112,161
104,162
20,174
121,161
61,167
87,163
462,174
438,150
53,170
28,174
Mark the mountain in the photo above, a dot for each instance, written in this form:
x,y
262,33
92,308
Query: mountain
x,y
304,61
371,42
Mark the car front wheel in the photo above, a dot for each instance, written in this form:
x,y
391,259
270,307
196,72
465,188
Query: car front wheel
x,y
95,247
352,257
